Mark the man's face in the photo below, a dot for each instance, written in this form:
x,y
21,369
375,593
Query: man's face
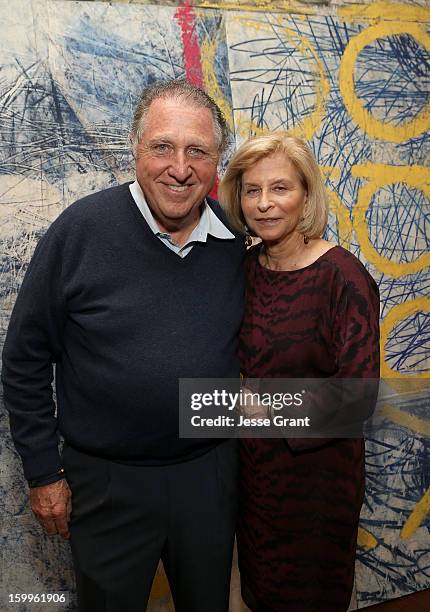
x,y
176,161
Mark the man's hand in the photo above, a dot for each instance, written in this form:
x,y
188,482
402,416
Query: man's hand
x,y
51,505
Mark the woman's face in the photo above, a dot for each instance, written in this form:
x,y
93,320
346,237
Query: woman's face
x,y
272,198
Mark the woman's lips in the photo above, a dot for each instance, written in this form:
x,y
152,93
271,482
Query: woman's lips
x,y
267,221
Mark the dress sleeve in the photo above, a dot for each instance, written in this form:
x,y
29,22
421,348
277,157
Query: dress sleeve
x,y
356,344
33,344
356,326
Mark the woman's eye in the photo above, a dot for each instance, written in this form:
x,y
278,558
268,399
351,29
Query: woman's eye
x,y
251,191
280,188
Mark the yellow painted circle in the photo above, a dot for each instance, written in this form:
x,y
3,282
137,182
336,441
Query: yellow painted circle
x,y
368,123
397,314
383,264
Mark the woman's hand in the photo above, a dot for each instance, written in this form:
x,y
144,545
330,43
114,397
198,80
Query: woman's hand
x,y
250,406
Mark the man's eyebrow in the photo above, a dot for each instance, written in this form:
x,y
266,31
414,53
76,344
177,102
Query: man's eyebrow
x,y
200,145
168,139
160,139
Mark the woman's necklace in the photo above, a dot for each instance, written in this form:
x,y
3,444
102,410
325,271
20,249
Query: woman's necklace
x,y
293,263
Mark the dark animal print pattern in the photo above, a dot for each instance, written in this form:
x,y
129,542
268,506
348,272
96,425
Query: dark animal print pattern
x,y
300,498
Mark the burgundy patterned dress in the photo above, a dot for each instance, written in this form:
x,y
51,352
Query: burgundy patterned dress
x,y
300,498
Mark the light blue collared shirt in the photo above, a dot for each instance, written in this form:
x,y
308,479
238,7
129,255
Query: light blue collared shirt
x,y
208,224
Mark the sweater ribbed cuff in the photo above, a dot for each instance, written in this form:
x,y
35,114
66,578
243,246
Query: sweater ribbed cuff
x,y
46,480
42,464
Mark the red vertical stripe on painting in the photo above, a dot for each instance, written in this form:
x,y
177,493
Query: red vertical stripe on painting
x,y
186,18
214,193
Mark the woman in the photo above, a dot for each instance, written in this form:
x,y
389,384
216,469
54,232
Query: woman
x,y
312,311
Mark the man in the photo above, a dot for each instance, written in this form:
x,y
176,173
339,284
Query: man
x,y
130,289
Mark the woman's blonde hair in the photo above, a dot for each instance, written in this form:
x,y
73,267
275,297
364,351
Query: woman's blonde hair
x,y
297,151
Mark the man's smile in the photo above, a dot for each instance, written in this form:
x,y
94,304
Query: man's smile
x,y
177,188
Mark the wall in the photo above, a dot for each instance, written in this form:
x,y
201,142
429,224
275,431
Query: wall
x,y
353,79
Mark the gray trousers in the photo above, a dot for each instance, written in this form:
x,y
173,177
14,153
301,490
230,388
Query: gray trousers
x,y
126,518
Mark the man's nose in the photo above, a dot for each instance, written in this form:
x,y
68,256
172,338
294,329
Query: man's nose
x,y
179,167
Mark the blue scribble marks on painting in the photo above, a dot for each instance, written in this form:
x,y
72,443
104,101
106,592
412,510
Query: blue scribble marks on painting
x,y
392,77
400,290
408,345
286,73
396,464
398,219
41,135
104,70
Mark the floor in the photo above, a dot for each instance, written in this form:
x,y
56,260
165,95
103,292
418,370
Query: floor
x,y
418,602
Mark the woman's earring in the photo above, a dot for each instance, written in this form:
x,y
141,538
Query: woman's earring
x,y
305,238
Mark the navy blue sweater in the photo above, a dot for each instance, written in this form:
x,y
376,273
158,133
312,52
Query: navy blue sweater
x,y
122,317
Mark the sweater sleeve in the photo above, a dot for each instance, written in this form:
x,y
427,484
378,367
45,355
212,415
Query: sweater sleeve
x,y
33,345
356,345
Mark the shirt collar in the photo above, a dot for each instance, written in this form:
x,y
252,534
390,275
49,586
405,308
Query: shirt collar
x,y
209,223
